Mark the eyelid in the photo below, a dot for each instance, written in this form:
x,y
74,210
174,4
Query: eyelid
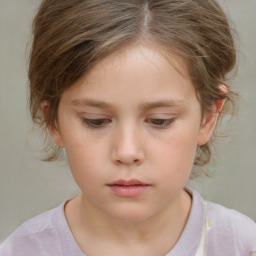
x,y
167,122
89,122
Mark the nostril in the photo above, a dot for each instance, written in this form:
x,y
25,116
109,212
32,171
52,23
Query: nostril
x,y
128,161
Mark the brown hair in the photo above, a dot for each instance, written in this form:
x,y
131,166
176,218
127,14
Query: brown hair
x,y
71,36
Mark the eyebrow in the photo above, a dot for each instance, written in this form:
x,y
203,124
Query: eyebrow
x,y
143,106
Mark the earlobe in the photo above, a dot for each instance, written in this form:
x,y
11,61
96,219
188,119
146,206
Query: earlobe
x,y
53,129
209,122
56,135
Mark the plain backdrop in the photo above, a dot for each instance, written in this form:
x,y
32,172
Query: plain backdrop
x,y
29,186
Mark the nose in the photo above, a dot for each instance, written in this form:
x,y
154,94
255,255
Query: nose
x,y
127,147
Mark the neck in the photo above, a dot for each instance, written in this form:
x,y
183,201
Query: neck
x,y
167,225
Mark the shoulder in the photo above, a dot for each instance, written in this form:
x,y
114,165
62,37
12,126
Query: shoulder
x,y
34,236
231,219
230,228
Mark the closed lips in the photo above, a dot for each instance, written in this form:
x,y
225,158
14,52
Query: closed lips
x,y
128,183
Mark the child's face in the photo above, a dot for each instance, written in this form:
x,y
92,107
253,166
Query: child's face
x,y
148,128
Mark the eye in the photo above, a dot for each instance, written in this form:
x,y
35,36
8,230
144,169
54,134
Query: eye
x,y
95,123
162,123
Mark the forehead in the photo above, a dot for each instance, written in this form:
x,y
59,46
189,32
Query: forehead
x,y
140,72
145,56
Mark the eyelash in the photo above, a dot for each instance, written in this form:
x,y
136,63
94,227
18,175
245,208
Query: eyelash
x,y
165,123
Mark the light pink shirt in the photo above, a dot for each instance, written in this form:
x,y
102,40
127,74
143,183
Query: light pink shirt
x,y
227,233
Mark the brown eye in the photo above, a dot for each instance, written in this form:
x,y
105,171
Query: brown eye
x,y
95,123
162,123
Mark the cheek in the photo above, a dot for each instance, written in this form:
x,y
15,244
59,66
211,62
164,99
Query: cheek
x,y
176,155
84,158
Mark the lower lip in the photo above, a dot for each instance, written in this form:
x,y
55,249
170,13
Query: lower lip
x,y
128,191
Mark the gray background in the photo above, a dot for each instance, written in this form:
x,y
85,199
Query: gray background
x,y
29,186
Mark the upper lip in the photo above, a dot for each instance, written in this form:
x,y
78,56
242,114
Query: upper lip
x,y
132,182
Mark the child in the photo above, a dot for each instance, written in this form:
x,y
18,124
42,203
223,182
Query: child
x,y
132,90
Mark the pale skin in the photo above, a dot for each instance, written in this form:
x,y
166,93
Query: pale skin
x,y
132,139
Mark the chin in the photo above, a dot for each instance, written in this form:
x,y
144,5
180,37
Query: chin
x,y
131,214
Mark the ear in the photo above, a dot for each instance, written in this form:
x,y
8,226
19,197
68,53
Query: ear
x,y
53,128
209,122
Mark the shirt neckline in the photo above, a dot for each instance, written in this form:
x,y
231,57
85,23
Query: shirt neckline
x,y
187,243
190,238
